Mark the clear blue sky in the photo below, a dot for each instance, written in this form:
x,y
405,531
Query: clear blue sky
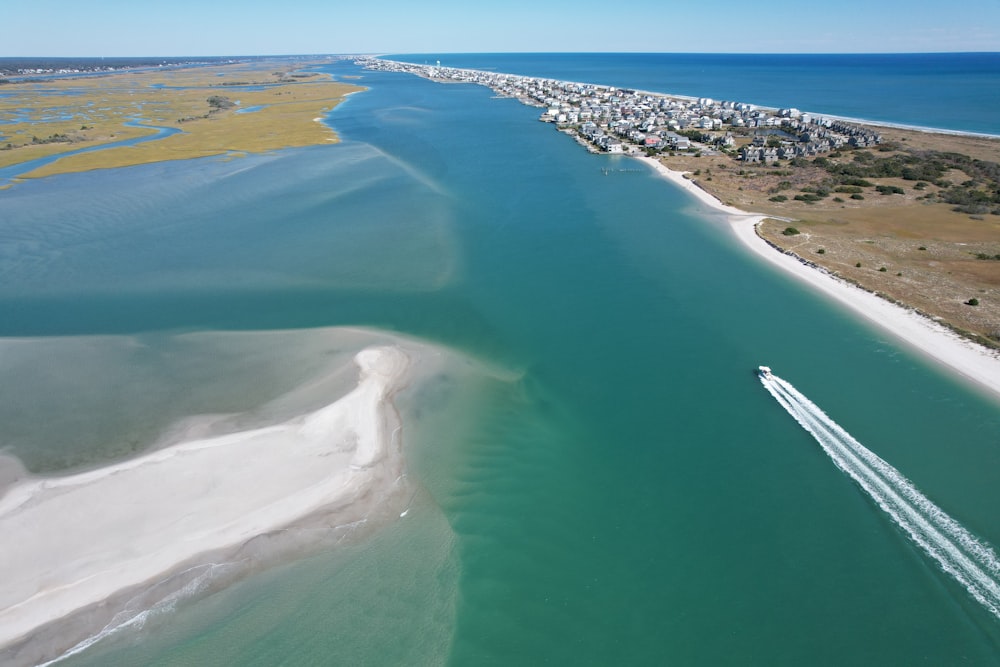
x,y
257,27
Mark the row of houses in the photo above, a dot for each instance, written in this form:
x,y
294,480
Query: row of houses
x,y
609,117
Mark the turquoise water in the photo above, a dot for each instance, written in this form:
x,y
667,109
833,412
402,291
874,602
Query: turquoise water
x,y
617,489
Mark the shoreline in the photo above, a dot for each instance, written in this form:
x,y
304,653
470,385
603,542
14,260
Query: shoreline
x,y
175,519
690,98
172,98
962,357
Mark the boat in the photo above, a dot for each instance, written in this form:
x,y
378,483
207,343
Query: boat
x,y
764,372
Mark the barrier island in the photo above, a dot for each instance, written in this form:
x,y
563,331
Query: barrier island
x,y
909,214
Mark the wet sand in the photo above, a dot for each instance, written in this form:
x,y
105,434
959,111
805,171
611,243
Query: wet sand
x,y
73,542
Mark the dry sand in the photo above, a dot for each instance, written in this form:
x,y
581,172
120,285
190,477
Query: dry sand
x,y
973,362
72,542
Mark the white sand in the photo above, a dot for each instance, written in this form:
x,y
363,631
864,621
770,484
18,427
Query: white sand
x,y
971,361
73,541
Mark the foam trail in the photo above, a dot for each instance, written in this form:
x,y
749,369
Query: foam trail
x,y
971,562
136,618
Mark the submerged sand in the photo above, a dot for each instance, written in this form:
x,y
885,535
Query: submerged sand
x,y
973,362
73,542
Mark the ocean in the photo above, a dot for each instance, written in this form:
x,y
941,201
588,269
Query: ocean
x,y
607,483
948,91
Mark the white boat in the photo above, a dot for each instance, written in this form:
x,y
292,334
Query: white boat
x,y
764,372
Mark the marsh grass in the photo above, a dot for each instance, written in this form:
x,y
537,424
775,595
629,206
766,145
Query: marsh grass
x,y
177,98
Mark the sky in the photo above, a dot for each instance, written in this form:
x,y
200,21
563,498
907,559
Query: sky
x,y
273,27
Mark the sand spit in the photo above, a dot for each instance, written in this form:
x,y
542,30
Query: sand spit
x,y
73,542
973,362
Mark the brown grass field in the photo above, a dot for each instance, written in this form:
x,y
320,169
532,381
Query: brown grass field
x,y
87,112
929,251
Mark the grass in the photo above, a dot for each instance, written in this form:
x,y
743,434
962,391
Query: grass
x,y
105,104
931,249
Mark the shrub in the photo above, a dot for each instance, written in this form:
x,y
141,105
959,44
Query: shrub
x,y
858,182
858,265
857,196
778,198
220,102
972,302
821,251
790,231
883,269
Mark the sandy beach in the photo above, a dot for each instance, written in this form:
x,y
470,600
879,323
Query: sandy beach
x,y
72,542
972,362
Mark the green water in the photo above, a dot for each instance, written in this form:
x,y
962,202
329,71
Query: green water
x,y
610,486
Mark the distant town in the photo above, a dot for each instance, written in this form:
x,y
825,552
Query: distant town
x,y
620,120
13,69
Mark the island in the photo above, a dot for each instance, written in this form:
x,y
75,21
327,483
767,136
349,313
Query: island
x,y
78,120
910,215
907,214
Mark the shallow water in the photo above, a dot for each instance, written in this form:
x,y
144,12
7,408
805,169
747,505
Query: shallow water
x,y
10,173
612,484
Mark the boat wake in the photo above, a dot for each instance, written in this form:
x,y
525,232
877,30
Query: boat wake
x,y
971,562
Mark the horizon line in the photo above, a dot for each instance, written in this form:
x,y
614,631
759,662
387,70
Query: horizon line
x,y
524,52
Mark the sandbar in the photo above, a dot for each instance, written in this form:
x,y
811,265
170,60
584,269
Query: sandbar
x,y
72,542
973,362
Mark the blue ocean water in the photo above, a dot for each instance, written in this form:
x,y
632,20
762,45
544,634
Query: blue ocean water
x,y
617,489
950,91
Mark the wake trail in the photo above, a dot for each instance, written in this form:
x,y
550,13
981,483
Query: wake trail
x,y
959,553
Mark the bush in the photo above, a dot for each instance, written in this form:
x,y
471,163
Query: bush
x,y
883,269
220,102
778,198
858,265
821,251
790,231
889,189
972,302
856,196
857,182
